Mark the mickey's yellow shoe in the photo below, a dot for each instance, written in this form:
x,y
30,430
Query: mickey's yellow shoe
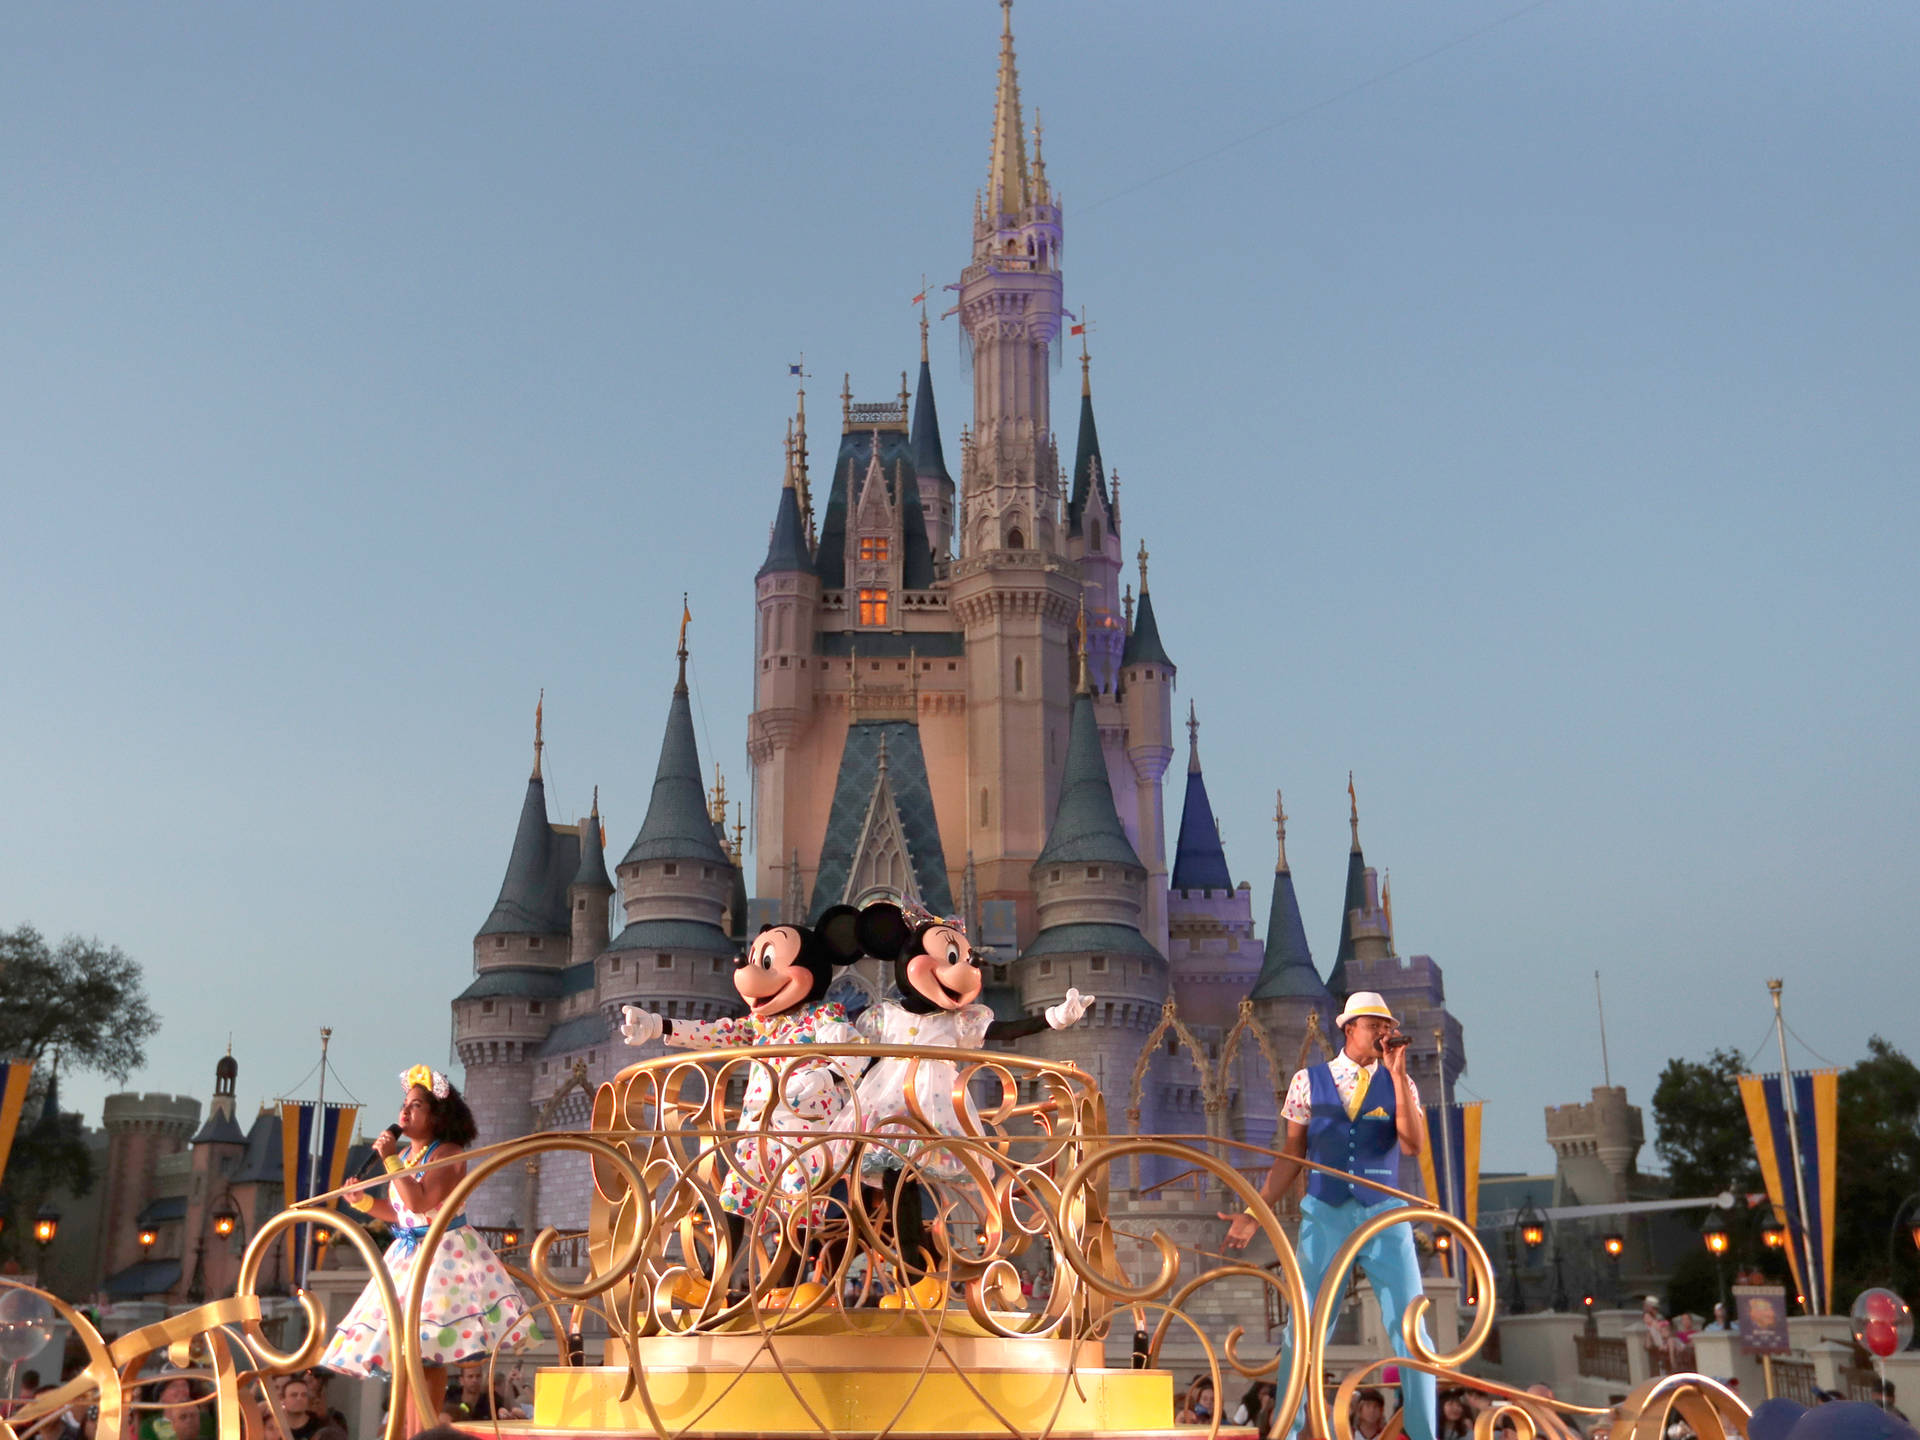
x,y
690,1290
797,1298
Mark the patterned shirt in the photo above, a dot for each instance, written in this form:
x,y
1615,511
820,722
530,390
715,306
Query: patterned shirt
x,y
1347,1077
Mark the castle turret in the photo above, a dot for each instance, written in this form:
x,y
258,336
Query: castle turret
x,y
930,462
1354,899
1288,989
1211,951
521,956
1090,896
211,1259
1010,593
590,891
1146,694
1093,542
676,882
787,595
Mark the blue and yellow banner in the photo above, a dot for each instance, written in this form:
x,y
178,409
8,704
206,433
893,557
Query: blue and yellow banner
x,y
15,1075
1450,1163
1816,1115
301,1177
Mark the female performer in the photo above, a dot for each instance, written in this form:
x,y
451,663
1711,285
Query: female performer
x,y
470,1307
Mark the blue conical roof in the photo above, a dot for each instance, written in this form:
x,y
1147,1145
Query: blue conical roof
x,y
678,826
1199,861
1089,472
1086,826
533,896
787,550
593,854
928,459
1286,971
1143,645
1356,900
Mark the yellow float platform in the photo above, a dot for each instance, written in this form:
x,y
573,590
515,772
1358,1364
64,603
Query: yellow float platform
x,y
853,1372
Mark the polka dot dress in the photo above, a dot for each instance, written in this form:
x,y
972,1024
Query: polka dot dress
x,y
471,1307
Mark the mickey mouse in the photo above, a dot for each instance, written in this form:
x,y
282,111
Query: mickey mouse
x,y
784,978
938,976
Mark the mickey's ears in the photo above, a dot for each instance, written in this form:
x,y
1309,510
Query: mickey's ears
x,y
884,931
839,931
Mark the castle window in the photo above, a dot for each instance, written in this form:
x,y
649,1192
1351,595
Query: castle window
x,y
499,942
953,665
613,966
486,1007
535,1007
714,964
1046,968
670,868
1149,672
533,942
1097,964
1094,531
984,808
1016,540
873,606
663,962
873,547
581,903
706,872
1019,674
1093,872
592,1056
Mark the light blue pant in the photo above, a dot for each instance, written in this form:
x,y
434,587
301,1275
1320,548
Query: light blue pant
x,y
1393,1266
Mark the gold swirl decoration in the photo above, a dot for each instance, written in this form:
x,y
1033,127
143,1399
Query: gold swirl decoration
x,y
750,1278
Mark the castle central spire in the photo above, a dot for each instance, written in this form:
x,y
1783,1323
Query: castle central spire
x,y
1007,176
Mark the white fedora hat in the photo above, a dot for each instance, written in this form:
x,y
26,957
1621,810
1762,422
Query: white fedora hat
x,y
1363,1002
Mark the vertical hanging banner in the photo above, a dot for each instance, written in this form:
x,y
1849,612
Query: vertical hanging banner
x,y
1450,1163
1816,1117
15,1075
302,1177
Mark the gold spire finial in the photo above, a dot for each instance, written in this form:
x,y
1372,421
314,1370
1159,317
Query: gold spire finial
x,y
1193,737
539,726
595,812
739,832
1280,828
1039,161
686,618
717,802
1353,806
1007,173
1080,631
846,398
923,319
903,395
1113,490
1386,904
1143,569
1126,604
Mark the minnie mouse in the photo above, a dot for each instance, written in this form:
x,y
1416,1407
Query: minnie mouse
x,y
938,976
783,977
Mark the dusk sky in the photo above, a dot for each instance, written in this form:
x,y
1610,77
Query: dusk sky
x,y
1519,402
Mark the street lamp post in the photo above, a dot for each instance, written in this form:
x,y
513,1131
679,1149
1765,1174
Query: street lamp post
x,y
1713,1234
1615,1245
1530,1230
46,1225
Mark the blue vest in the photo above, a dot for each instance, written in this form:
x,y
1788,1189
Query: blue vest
x,y
1368,1146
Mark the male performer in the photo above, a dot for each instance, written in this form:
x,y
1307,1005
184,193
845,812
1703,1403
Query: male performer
x,y
1358,1113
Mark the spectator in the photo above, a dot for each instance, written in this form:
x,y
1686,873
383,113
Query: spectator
x,y
1719,1325
1456,1419
475,1401
304,1421
179,1418
1369,1413
1882,1392
1197,1406
1667,1350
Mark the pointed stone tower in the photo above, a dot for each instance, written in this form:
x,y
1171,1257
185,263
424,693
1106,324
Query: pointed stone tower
x,y
930,463
588,894
1090,894
1213,954
1010,592
1146,694
1354,899
520,958
1288,989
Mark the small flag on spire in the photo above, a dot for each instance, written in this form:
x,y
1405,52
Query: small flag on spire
x,y
795,370
919,299
1077,329
686,619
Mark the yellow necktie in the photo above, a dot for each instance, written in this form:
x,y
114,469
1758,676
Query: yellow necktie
x,y
1359,1096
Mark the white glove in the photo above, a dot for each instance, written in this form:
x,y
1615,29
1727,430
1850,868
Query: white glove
x,y
1069,1010
640,1027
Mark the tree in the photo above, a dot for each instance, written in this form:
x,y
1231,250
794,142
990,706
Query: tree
x,y
83,1001
1701,1126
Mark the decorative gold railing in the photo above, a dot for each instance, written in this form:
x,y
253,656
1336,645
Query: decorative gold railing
x,y
1030,1167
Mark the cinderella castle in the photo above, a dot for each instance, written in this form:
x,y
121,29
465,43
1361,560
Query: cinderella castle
x,y
959,699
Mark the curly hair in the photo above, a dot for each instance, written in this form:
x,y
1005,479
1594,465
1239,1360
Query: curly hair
x,y
452,1121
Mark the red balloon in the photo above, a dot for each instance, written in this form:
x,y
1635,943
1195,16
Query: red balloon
x,y
1880,1305
1880,1337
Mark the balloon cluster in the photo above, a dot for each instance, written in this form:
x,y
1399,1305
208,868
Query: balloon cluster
x,y
26,1325
1882,1322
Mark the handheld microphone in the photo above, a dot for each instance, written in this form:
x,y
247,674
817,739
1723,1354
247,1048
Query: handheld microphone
x,y
372,1163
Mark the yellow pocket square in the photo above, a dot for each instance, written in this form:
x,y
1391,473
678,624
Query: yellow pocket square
x,y
1378,1112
